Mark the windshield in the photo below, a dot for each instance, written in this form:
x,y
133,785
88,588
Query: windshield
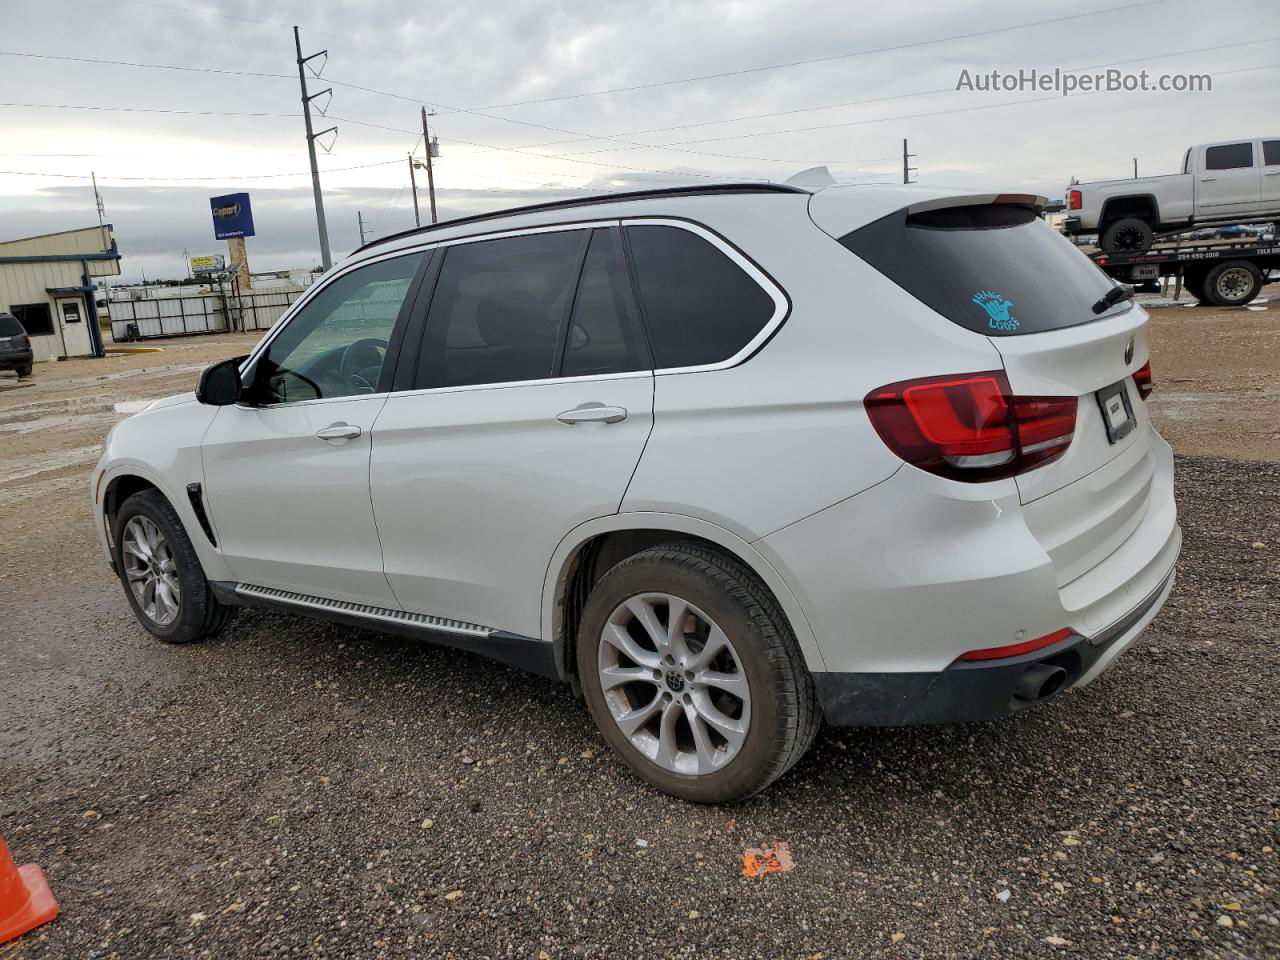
x,y
995,270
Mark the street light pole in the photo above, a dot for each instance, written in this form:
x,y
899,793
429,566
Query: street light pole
x,y
326,258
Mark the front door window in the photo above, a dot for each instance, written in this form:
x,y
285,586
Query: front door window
x,y
336,345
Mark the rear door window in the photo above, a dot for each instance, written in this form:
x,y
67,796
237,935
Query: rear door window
x,y
498,309
1228,156
995,270
700,306
604,334
1271,153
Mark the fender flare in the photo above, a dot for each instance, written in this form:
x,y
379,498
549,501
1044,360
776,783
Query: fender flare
x,y
558,571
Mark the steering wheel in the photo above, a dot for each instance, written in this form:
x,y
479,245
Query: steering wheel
x,y
359,356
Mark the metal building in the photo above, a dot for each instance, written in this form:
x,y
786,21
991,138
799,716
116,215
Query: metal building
x,y
48,283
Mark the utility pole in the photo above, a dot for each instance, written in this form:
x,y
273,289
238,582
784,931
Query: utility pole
x,y
326,257
431,180
360,221
413,182
907,169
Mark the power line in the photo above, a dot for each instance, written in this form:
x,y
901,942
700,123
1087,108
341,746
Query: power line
x,y
909,116
193,113
827,59
218,176
149,66
884,99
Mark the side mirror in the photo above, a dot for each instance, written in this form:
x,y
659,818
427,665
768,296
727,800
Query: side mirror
x,y
220,384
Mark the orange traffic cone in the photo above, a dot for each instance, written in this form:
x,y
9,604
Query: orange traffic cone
x,y
25,898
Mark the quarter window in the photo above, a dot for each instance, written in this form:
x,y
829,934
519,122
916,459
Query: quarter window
x,y
335,346
1228,156
603,334
699,305
498,309
1271,153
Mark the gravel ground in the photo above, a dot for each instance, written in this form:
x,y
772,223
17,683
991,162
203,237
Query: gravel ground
x,y
306,790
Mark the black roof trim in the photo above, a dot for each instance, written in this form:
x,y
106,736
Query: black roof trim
x,y
691,191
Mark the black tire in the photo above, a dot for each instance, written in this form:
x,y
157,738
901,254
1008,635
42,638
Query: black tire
x,y
1129,235
1193,283
200,615
785,714
24,371
1232,283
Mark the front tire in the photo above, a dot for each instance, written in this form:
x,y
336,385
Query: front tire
x,y
693,676
161,574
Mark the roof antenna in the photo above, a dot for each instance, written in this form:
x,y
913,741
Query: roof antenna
x,y
815,178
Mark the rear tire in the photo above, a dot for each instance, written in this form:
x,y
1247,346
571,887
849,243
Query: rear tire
x,y
692,743
147,523
24,371
1233,283
1193,283
1129,235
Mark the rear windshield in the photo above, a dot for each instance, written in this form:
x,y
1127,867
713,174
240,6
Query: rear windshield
x,y
995,270
9,325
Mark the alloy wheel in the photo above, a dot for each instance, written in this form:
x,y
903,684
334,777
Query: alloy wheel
x,y
674,684
151,570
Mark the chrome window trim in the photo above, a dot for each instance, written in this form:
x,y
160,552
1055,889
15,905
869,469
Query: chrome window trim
x,y
781,304
332,277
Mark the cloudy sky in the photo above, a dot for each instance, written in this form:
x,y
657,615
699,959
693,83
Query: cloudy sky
x,y
537,99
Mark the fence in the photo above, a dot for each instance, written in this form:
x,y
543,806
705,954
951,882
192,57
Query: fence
x,y
208,313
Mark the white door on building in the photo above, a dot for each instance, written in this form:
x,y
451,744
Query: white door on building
x,y
70,314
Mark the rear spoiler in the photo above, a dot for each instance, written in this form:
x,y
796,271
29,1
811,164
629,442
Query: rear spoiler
x,y
1028,200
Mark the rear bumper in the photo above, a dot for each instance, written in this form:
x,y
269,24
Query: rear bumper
x,y
982,690
1071,225
12,359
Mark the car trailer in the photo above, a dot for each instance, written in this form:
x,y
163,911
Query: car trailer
x,y
1222,274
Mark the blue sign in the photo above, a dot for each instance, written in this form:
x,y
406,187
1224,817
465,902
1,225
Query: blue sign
x,y
232,216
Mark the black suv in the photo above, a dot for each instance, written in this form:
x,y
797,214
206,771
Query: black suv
x,y
15,346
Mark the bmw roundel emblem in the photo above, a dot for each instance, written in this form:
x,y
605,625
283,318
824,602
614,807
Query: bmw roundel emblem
x,y
1128,351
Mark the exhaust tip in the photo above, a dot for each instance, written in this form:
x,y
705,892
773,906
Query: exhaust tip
x,y
1040,680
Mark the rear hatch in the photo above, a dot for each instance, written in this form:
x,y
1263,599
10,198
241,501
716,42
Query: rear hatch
x,y
992,266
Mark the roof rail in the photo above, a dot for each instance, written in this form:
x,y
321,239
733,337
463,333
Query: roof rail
x,y
689,191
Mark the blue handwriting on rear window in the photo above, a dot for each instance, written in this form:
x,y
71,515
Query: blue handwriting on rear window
x,y
997,307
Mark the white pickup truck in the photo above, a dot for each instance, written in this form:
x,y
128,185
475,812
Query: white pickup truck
x,y
1231,182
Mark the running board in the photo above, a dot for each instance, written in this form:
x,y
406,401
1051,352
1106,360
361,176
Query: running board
x,y
527,653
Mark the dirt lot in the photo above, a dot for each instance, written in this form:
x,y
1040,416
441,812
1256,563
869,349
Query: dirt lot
x,y
305,790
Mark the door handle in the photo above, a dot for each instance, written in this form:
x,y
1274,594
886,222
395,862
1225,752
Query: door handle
x,y
593,413
1208,179
1272,173
338,431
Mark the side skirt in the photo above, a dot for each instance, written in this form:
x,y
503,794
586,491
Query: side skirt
x,y
526,653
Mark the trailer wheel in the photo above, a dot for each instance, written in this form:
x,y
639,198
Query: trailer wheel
x,y
1129,235
1233,283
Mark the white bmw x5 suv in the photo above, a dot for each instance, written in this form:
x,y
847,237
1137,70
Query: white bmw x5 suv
x,y
730,460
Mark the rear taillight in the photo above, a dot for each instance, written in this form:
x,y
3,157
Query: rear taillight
x,y
1142,380
970,427
1075,200
24,342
